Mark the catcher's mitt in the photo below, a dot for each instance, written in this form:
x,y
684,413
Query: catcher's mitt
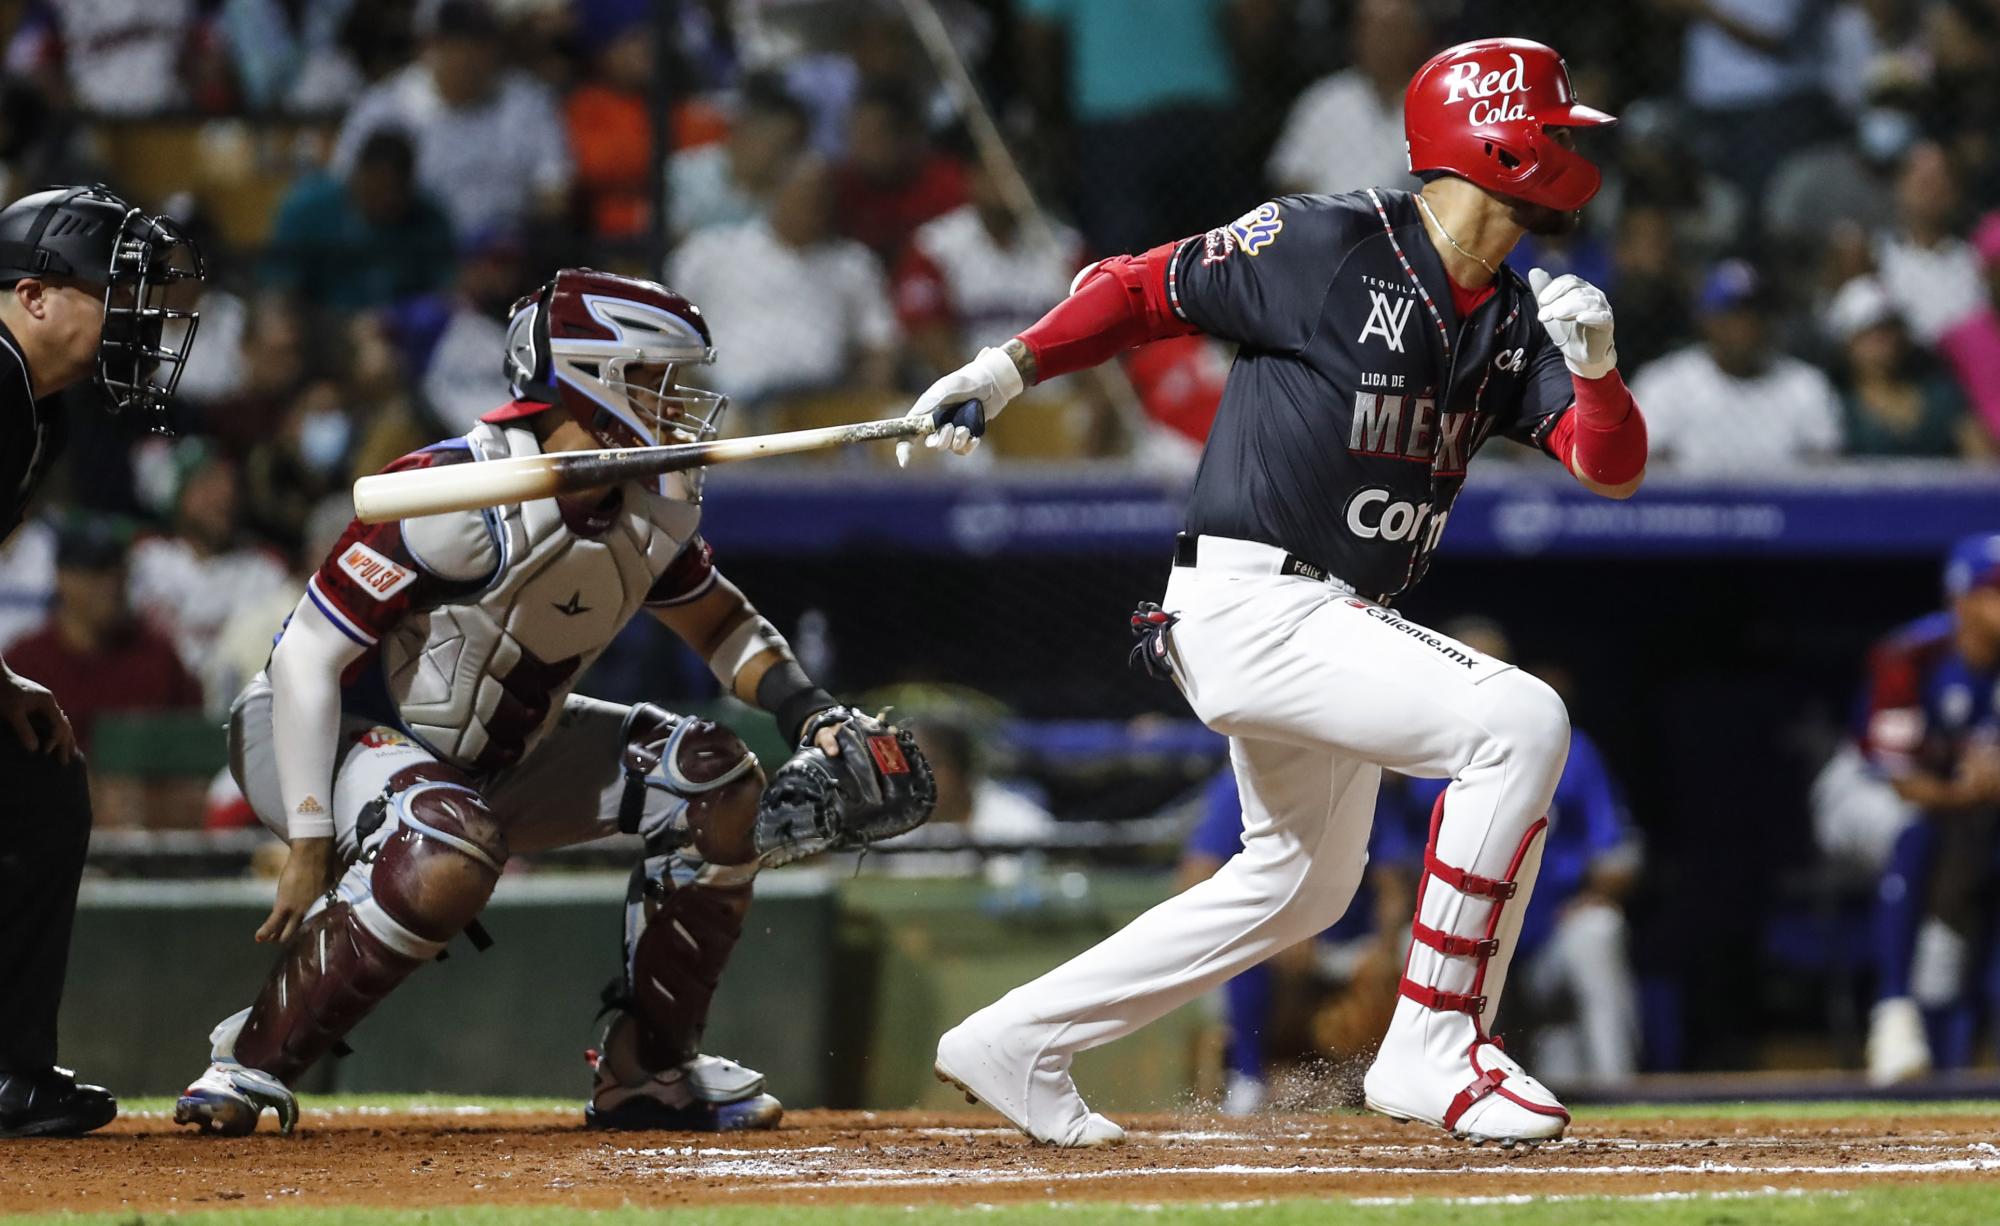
x,y
879,786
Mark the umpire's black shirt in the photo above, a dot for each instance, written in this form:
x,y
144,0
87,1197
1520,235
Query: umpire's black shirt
x,y
1358,395
31,434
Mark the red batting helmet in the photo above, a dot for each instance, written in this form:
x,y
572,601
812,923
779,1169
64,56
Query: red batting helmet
x,y
573,344
1482,111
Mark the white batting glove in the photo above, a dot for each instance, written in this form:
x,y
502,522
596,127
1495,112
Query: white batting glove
x,y
990,378
1578,317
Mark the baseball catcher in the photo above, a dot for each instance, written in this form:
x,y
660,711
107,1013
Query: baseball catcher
x,y
416,727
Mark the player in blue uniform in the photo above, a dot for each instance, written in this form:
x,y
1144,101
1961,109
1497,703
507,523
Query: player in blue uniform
x,y
1379,342
1930,728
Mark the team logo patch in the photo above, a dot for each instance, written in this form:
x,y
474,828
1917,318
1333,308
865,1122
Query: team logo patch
x,y
1257,229
888,755
1387,317
377,575
381,738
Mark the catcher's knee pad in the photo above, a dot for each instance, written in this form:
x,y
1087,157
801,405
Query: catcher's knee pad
x,y
689,782
436,867
682,921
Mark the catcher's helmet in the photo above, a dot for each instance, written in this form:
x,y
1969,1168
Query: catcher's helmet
x,y
89,234
1482,110
572,344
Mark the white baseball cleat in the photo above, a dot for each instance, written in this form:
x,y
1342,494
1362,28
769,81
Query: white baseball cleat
x,y
1439,1069
1035,1094
1898,1048
229,1099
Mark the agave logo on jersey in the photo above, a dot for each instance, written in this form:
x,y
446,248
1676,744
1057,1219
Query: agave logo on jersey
x,y
1465,80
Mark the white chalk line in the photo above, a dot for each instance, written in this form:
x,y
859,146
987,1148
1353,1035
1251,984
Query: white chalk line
x,y
781,1169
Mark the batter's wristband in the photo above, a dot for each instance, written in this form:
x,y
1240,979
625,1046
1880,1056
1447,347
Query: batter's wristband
x,y
790,696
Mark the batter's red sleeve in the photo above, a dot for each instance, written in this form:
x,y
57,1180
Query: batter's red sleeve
x,y
1603,436
1118,305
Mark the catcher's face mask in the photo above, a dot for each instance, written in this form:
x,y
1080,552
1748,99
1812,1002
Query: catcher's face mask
x,y
149,318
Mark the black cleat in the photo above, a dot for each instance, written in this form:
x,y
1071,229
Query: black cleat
x,y
49,1103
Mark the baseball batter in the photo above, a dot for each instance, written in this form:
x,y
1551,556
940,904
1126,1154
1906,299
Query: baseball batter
x,y
415,727
1380,343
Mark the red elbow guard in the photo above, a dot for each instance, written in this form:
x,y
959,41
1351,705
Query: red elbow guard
x,y
1603,436
1119,304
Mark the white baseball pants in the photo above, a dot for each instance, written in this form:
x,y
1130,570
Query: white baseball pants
x,y
1317,691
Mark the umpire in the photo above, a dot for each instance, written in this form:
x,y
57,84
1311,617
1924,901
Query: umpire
x,y
90,288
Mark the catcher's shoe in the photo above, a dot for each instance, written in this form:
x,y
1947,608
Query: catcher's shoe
x,y
229,1099
1898,1048
992,1065
707,1094
48,1102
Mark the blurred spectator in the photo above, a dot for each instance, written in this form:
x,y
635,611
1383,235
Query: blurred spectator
x,y
1845,181
892,180
731,181
1657,167
975,277
380,398
489,140
1149,86
1573,966
1896,402
288,54
1972,346
103,657
365,242
39,143
794,307
1652,292
1751,69
189,582
452,341
1733,404
260,373
1346,131
27,579
1930,272
303,461
116,57
1875,48
610,121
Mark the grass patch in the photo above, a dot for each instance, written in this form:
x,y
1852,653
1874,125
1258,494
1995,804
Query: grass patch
x,y
1914,1205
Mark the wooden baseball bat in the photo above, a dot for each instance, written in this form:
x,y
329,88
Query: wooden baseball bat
x,y
491,483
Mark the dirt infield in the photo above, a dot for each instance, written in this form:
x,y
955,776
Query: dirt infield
x,y
452,1157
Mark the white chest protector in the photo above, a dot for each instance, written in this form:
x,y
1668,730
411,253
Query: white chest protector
x,y
481,678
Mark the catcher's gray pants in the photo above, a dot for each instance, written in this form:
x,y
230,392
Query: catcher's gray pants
x,y
565,792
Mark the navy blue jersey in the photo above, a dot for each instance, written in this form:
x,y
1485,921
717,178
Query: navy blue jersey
x,y
1358,396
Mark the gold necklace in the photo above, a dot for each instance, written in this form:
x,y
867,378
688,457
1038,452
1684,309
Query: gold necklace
x,y
1449,239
